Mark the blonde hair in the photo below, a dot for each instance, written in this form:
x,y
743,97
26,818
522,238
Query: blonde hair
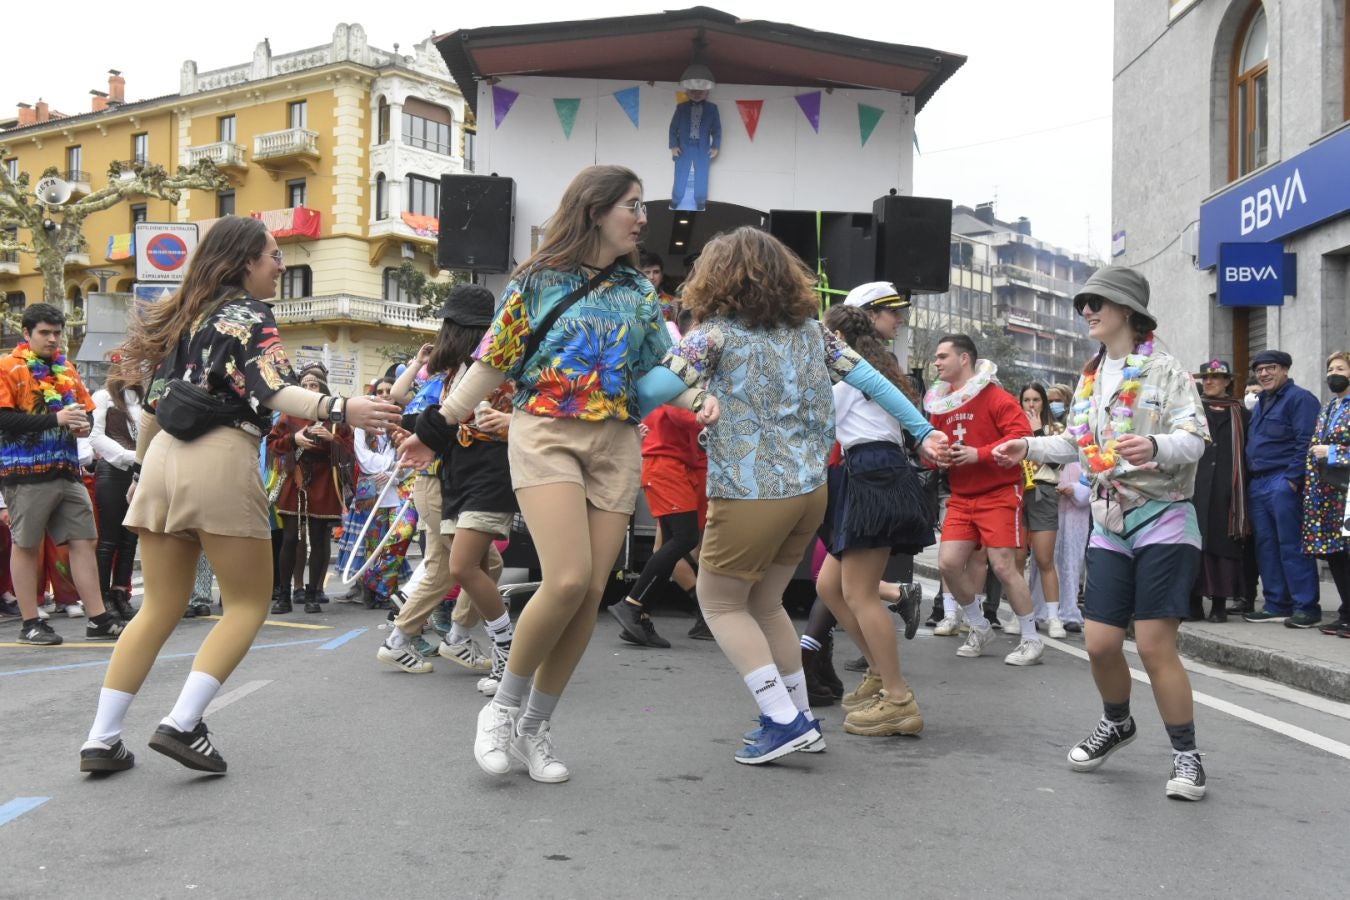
x,y
1342,355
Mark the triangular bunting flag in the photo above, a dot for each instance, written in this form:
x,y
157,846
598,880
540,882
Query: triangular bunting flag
x,y
750,110
810,104
868,117
567,114
502,101
628,99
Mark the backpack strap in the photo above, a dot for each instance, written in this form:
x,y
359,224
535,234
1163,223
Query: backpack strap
x,y
538,333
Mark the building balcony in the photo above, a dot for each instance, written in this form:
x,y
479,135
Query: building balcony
x,y
78,181
227,155
293,148
77,260
297,223
345,308
1005,274
9,262
422,232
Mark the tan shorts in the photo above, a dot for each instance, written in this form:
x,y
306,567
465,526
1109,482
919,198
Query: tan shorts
x,y
605,458
497,524
745,537
211,484
58,507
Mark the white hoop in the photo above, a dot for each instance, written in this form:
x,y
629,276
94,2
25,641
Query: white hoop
x,y
347,577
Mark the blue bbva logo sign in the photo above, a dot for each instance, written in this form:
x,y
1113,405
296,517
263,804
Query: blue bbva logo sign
x,y
1252,275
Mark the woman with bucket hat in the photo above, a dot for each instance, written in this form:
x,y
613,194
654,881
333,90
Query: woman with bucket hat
x,y
1137,429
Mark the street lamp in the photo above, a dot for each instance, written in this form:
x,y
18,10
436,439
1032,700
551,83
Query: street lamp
x,y
103,275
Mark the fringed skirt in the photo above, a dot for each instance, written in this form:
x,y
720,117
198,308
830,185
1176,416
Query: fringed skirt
x,y
876,501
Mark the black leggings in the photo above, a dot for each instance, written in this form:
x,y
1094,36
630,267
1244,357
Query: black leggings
x,y
319,548
116,543
679,537
1339,563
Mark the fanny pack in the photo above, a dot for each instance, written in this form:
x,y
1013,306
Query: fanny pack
x,y
1109,513
187,411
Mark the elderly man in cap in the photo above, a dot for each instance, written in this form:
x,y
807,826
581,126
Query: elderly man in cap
x,y
1277,445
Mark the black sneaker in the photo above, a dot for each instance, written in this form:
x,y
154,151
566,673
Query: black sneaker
x,y
1331,626
191,748
649,635
1303,620
856,665
118,602
203,609
9,609
96,756
39,634
109,629
1105,739
908,608
1264,616
701,631
637,626
1188,777
937,614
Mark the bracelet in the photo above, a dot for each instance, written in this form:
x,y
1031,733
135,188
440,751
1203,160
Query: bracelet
x,y
1154,441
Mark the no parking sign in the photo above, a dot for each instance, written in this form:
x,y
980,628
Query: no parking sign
x,y
163,250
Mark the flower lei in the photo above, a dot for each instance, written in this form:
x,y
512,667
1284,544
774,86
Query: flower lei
x,y
942,399
58,388
1104,459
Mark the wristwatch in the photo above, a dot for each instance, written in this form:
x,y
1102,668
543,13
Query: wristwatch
x,y
337,412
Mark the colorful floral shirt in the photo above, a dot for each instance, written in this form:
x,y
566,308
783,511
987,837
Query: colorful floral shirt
x,y
587,366
40,455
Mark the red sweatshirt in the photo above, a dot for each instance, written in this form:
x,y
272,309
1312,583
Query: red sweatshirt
x,y
673,432
988,420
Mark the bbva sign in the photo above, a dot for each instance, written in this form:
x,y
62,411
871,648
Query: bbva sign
x,y
1254,274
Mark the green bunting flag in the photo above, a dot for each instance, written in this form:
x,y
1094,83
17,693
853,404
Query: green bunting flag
x,y
868,117
567,114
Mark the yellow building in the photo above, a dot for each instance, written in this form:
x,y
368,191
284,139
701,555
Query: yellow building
x,y
338,148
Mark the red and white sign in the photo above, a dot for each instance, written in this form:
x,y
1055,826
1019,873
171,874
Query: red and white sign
x,y
298,221
163,250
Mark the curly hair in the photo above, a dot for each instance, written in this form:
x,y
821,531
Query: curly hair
x,y
751,276
856,329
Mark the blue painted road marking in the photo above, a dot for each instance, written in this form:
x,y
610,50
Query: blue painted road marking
x,y
18,806
339,641
104,662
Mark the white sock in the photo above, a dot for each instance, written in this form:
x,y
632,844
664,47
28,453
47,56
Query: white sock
x,y
796,688
398,638
980,598
112,709
501,629
975,616
1028,623
949,606
198,692
1052,609
458,634
766,685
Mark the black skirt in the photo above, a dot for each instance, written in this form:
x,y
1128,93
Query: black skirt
x,y
477,478
876,501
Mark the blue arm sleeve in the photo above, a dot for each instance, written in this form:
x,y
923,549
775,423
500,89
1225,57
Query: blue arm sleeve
x,y
872,383
660,385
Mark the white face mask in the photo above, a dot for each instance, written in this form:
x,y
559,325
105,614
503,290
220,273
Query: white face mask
x,y
1249,401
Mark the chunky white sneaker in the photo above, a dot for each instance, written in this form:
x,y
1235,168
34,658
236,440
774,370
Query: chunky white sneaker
x,y
976,641
492,743
1057,629
405,658
1028,653
948,627
536,752
74,610
465,653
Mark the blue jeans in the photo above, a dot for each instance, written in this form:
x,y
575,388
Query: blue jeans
x,y
1288,577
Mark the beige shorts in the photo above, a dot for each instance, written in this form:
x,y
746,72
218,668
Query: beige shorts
x,y
59,507
497,524
210,484
745,537
604,458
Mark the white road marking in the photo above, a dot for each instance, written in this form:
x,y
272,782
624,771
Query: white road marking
x,y
238,693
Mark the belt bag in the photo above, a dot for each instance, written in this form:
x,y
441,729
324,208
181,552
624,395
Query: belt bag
x,y
1109,513
187,411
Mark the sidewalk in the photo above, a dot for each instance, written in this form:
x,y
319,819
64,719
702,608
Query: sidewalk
x,y
1301,658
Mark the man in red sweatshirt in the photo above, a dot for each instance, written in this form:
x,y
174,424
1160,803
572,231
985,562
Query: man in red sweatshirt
x,y
985,509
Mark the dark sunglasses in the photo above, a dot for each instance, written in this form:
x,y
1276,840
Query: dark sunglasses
x,y
1092,302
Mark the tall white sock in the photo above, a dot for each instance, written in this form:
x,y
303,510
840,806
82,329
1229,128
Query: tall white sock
x,y
949,606
458,634
796,688
1052,609
766,684
501,629
198,692
1028,623
112,709
398,638
975,616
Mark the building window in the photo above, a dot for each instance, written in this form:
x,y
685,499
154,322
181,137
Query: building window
x,y
296,283
295,193
138,214
140,148
225,129
382,122
297,114
75,164
427,126
424,196
393,291
12,168
469,137
1248,132
17,301
225,203
381,197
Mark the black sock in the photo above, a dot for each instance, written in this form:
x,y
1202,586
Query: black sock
x,y
1117,712
29,623
101,617
1182,737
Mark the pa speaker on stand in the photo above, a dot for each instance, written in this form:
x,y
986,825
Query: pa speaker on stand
x,y
476,223
913,239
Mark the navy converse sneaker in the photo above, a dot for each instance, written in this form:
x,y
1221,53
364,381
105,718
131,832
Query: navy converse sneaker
x,y
778,740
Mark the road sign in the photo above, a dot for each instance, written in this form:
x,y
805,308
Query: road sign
x,y
163,250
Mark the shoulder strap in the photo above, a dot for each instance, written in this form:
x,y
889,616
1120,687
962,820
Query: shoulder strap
x,y
539,332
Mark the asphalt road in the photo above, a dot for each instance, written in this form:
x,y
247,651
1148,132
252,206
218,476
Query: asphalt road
x,y
349,779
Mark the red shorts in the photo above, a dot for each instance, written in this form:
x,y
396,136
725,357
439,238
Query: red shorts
x,y
993,519
672,487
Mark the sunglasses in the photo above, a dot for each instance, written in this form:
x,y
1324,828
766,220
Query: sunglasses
x,y
1092,302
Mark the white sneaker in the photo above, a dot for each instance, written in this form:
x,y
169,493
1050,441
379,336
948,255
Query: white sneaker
x,y
74,610
1057,629
465,653
493,742
536,752
43,614
1028,653
488,684
976,641
405,658
49,607
948,627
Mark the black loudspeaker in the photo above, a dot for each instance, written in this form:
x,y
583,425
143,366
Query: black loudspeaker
x,y
913,238
845,246
477,222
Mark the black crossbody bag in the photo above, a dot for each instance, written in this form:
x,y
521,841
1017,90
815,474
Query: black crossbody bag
x,y
188,411
537,334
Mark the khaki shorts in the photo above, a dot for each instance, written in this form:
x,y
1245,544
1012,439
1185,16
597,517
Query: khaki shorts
x,y
604,458
58,507
745,537
497,524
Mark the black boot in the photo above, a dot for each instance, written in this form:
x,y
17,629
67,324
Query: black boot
x,y
119,602
825,667
937,614
281,600
1218,610
312,600
1241,606
817,692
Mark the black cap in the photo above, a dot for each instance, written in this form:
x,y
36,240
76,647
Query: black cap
x,y
470,305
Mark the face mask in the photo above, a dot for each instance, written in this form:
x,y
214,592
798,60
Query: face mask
x,y
1249,401
1338,383
1056,409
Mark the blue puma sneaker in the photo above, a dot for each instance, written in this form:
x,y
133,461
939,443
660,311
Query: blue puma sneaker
x,y
778,740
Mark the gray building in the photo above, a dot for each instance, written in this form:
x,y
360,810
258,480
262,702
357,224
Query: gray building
x,y
1231,182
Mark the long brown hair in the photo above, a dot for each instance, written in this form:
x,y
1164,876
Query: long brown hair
x,y
572,232
219,265
857,330
751,276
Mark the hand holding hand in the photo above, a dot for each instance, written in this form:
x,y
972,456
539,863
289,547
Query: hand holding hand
x,y
934,448
961,455
1011,452
710,413
415,454
372,414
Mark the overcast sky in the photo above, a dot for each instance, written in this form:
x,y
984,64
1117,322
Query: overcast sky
x,y
1025,121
